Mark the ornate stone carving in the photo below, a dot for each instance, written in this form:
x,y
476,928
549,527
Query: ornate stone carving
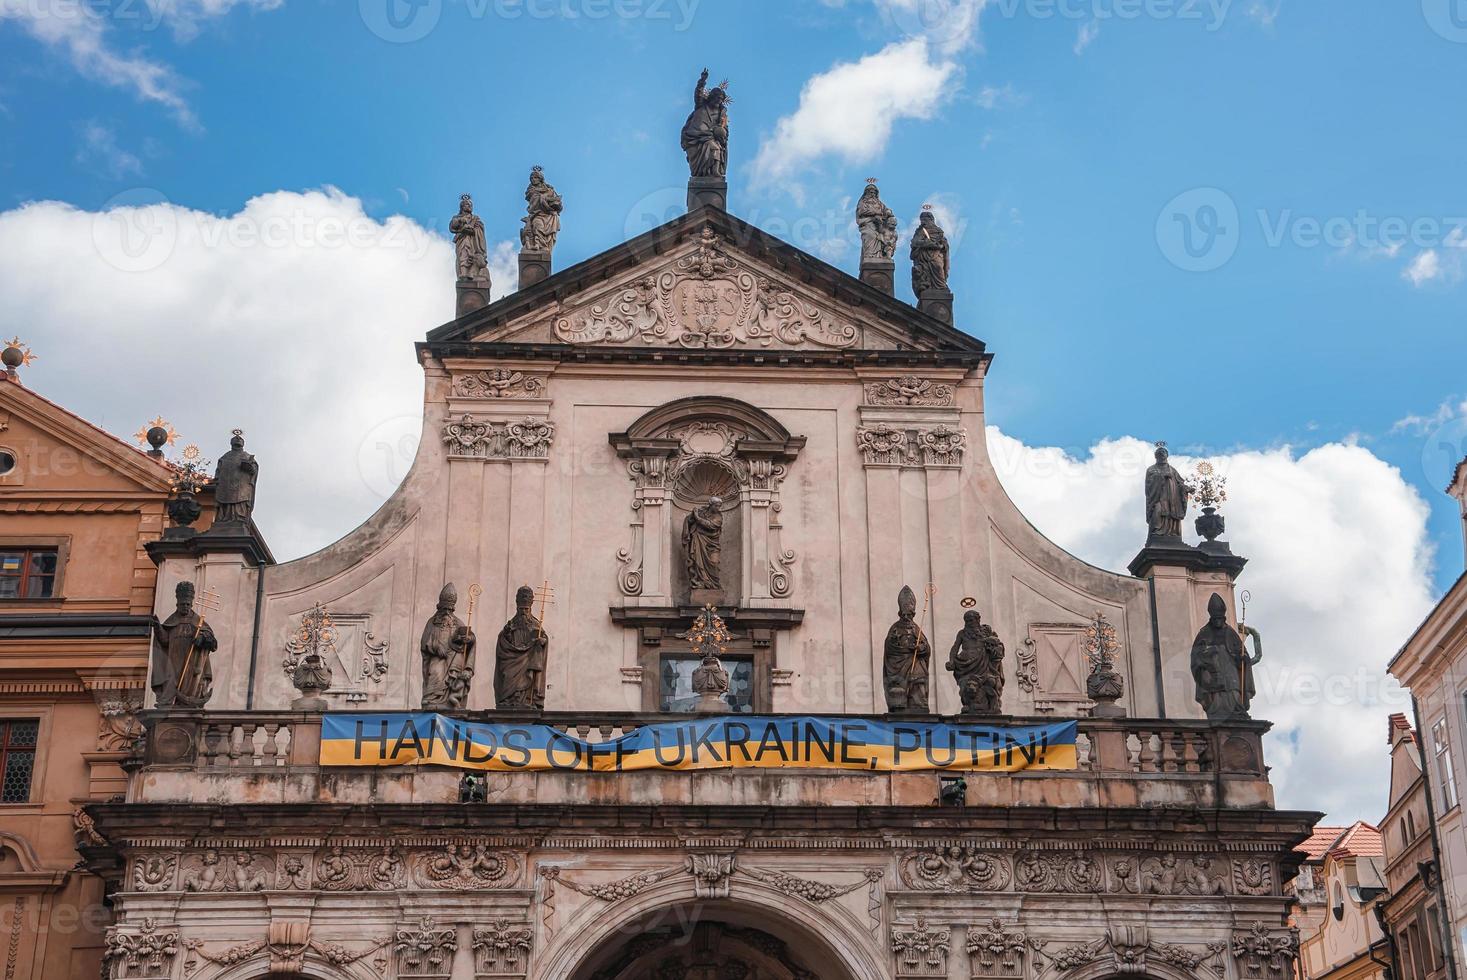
x,y
154,873
906,659
542,218
292,874
612,891
921,951
1166,875
447,647
308,655
466,866
470,438
84,829
498,383
1252,877
909,390
955,868
1026,666
147,952
1128,948
705,299
1222,668
335,872
1057,871
520,657
1265,955
119,729
938,446
877,224
711,873
503,949
814,892
976,662
215,872
995,953
425,949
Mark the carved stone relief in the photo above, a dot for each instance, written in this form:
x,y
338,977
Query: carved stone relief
x,y
1050,665
119,729
912,446
909,390
1170,875
997,953
502,949
425,949
1127,948
705,299
921,950
969,869
1252,877
471,437
498,383
1264,954
143,953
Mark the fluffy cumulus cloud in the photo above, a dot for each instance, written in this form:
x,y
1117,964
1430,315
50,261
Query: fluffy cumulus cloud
x,y
294,319
1339,575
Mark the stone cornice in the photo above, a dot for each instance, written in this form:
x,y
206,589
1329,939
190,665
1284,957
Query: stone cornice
x,y
734,357
1442,634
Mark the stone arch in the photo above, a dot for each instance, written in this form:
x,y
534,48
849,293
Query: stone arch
x,y
823,935
1154,969
258,968
757,424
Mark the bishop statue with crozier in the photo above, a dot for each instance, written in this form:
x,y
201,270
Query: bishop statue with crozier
x,y
448,648
520,657
906,659
183,676
1222,667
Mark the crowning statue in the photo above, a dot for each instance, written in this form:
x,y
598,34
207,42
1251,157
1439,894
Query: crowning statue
x,y
1222,667
702,545
182,674
929,254
234,483
976,661
448,656
906,659
705,134
877,224
519,657
469,244
542,223
1166,497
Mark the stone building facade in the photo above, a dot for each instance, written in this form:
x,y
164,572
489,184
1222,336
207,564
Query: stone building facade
x,y
77,509
570,429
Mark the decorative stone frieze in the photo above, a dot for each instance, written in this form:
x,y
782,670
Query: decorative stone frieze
x,y
470,437
1252,877
119,729
498,383
909,390
1264,954
1170,875
706,299
1126,950
711,873
968,868
144,953
956,869
236,871
911,446
921,950
154,873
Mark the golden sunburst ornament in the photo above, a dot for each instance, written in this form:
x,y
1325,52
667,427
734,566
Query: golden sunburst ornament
x,y
26,355
158,423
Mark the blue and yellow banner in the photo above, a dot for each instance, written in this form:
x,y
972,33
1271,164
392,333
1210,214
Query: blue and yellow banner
x,y
721,742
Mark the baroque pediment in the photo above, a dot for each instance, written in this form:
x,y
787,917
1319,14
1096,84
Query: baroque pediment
x,y
706,282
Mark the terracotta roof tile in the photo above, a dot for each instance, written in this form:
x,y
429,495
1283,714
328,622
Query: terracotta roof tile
x,y
1320,842
1361,840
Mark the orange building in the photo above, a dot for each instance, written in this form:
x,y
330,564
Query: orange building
x,y
77,508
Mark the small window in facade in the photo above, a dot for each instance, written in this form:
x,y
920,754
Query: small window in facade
x,y
1446,778
7,462
676,683
17,758
27,573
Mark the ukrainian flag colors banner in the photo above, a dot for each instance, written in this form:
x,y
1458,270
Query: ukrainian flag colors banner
x,y
721,742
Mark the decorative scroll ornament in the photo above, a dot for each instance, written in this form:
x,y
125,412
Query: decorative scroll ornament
x,y
308,654
711,873
466,866
1252,877
120,729
814,892
613,891
1129,948
498,383
909,390
374,658
705,299
470,438
154,874
1105,686
1026,666
957,869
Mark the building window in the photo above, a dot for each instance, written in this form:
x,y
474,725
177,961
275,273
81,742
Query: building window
x,y
7,462
17,758
1445,776
676,684
1409,828
28,573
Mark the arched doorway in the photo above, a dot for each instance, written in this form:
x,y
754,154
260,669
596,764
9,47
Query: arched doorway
x,y
710,941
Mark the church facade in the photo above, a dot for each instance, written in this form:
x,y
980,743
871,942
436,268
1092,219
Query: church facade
x,y
702,478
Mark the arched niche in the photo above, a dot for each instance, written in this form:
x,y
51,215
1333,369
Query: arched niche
x,y
680,454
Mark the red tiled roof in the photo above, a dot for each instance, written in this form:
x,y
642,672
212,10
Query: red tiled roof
x,y
1361,840
1320,842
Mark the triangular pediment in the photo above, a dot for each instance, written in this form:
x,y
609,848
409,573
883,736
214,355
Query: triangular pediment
x,y
56,450
706,281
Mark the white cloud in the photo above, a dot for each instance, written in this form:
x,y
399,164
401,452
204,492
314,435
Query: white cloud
x,y
849,111
1426,267
99,150
1087,34
1420,424
295,318
951,26
1339,571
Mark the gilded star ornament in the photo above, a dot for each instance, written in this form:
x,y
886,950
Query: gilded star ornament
x,y
158,423
26,355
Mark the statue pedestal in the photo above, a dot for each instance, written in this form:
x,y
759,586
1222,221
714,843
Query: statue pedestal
x,y
705,597
937,303
710,192
880,274
471,296
534,266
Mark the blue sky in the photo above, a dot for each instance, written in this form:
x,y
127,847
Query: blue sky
x,y
1237,226
1059,159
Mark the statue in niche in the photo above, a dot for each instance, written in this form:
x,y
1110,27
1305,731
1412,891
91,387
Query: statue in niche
x,y
877,224
520,656
976,660
930,256
182,674
469,245
1166,497
705,134
702,545
448,656
542,223
906,659
1222,667
234,483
